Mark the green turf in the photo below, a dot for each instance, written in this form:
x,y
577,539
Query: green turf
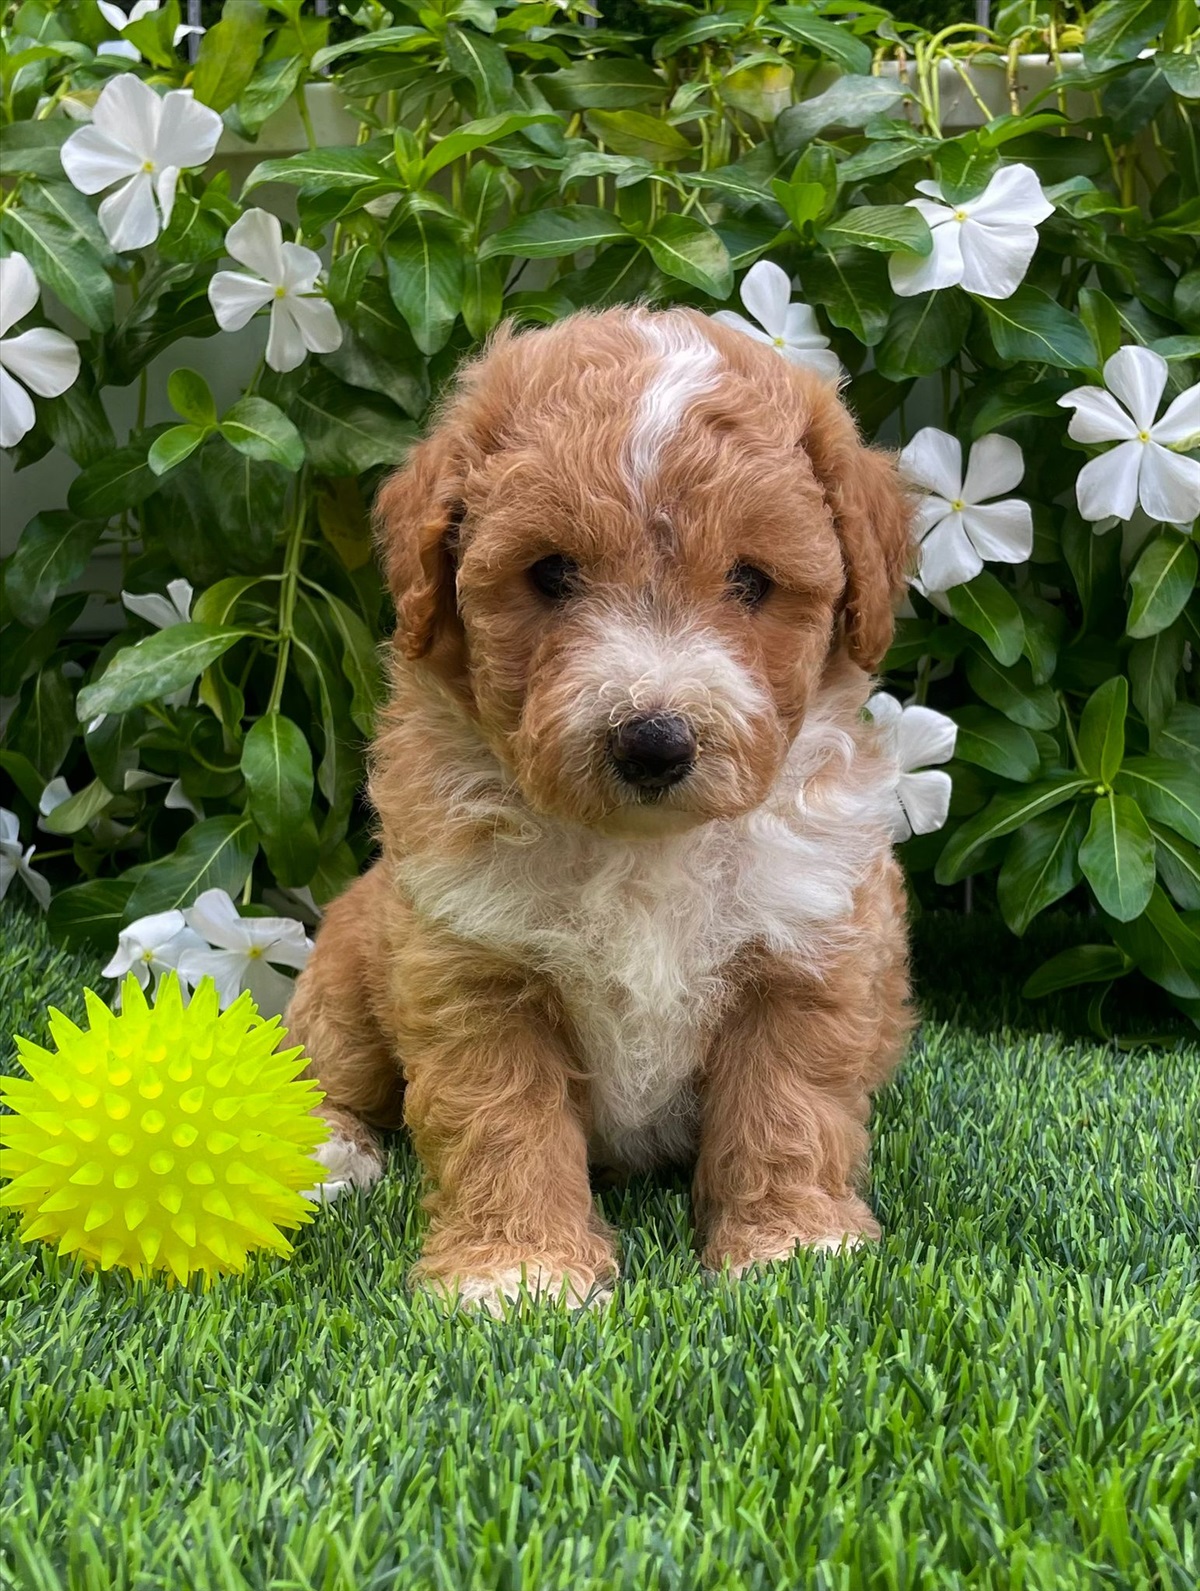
x,y
1006,1394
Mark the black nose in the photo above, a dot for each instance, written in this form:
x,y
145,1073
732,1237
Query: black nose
x,y
653,750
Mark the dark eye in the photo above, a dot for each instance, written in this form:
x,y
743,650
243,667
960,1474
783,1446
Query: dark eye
x,y
748,584
555,577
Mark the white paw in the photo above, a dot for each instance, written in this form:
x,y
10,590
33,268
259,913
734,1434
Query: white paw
x,y
497,1293
348,1166
838,1243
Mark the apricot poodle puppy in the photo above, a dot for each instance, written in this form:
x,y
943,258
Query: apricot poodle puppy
x,y
636,901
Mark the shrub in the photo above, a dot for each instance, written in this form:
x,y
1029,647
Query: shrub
x,y
510,160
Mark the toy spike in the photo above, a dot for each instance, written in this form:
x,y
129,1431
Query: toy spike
x,y
127,1144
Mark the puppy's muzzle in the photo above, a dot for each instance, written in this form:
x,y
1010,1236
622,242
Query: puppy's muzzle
x,y
652,751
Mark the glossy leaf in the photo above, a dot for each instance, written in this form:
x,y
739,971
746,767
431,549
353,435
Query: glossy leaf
x,y
1041,865
155,667
1117,856
53,551
215,854
277,767
1102,730
260,430
1163,579
1001,816
987,608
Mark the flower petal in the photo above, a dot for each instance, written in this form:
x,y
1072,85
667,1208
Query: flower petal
x,y
128,112
10,828
214,917
18,291
933,460
285,345
256,239
180,592
1098,416
995,258
301,267
188,132
801,328
17,414
129,216
270,990
1109,484
929,510
885,710
236,298
165,183
37,886
1169,486
823,360
152,607
736,322
112,14
317,323
925,737
1000,532
947,556
119,47
53,795
911,274
932,188
1137,376
766,293
47,361
995,465
1013,197
1181,423
94,160
925,798
226,968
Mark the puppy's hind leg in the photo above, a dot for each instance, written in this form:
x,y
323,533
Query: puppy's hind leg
x,y
333,1013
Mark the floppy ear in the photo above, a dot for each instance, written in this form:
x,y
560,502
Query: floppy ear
x,y
417,512
873,518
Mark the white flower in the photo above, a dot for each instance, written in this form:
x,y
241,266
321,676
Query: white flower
x,y
916,736
792,328
243,946
143,143
984,245
53,795
153,944
117,20
14,861
162,612
1143,468
176,798
955,526
47,361
301,322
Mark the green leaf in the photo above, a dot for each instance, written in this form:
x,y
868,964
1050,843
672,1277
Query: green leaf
x,y
603,85
1178,867
991,741
801,201
886,227
831,39
1168,792
46,728
1102,730
924,334
399,41
173,446
1080,964
425,278
1163,579
24,775
852,287
548,234
63,262
360,662
77,423
215,854
346,430
273,84
228,53
989,610
686,248
78,810
1004,813
261,431
31,148
477,135
1041,865
54,550
484,65
1154,666
320,171
1099,315
1117,857
155,667
277,767
1162,945
1179,737
1119,29
1031,325
190,396
633,132
91,913
848,102
1011,690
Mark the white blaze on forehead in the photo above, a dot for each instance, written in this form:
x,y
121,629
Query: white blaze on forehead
x,y
688,366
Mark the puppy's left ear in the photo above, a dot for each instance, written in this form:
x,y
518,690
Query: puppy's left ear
x,y
416,519
873,518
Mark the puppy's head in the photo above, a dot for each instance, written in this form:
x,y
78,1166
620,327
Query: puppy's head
x,y
633,543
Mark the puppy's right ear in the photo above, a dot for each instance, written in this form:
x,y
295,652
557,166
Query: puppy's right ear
x,y
417,514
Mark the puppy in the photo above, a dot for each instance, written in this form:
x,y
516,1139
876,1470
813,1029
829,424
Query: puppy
x,y
636,901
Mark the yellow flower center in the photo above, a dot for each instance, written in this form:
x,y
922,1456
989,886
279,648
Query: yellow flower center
x,y
147,956
779,343
1143,436
147,165
281,292
254,952
958,505
960,215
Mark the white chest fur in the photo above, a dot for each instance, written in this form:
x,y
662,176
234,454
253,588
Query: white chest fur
x,y
638,936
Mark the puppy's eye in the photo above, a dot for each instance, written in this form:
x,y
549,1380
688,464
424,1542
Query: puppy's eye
x,y
556,576
748,584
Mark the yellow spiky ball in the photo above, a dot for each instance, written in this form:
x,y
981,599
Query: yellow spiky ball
x,y
165,1138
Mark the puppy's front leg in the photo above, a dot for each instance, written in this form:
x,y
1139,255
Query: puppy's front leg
x,y
784,1109
489,1106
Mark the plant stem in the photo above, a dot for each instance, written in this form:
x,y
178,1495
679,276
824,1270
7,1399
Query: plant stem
x,y
287,592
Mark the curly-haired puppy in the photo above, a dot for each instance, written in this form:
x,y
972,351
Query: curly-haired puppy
x,y
636,901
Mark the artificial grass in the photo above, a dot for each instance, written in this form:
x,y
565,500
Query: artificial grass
x,y
1005,1394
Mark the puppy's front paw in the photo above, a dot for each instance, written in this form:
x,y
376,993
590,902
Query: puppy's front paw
x,y
497,1291
816,1222
348,1164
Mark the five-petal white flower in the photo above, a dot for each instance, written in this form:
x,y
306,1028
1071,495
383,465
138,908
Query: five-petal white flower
x,y
117,19
983,245
15,862
242,949
792,328
955,526
152,945
142,142
916,736
46,361
162,612
301,321
1142,468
